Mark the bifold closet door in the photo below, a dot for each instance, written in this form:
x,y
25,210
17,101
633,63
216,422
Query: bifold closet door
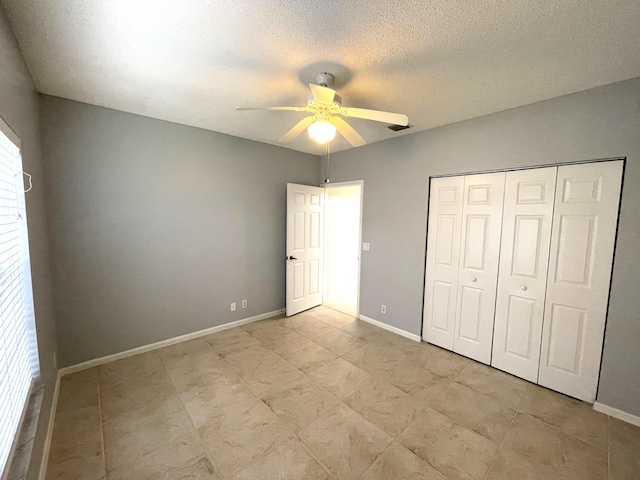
x,y
443,252
522,278
582,242
478,272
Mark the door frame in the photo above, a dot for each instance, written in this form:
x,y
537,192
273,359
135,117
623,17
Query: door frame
x,y
324,280
515,169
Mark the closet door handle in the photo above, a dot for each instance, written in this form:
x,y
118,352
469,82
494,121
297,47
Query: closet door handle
x,y
523,288
474,279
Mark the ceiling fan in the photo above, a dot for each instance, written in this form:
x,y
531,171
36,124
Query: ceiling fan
x,y
327,112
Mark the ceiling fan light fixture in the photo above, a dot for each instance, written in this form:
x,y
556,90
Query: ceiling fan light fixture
x,y
325,107
322,131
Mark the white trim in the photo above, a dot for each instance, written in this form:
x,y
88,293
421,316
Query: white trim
x,y
47,441
396,330
164,343
615,413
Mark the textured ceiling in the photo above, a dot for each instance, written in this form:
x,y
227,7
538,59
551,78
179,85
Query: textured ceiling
x,y
439,61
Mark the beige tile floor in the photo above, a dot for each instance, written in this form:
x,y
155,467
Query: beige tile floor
x,y
323,396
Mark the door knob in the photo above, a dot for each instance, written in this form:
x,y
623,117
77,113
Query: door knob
x,y
523,288
474,279
291,258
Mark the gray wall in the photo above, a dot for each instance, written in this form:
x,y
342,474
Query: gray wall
x,y
19,109
595,124
157,227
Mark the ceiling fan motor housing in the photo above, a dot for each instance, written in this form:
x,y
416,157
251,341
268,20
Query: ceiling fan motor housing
x,y
337,99
325,79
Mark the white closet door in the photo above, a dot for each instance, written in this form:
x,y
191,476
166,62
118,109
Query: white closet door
x,y
582,241
443,252
522,277
478,273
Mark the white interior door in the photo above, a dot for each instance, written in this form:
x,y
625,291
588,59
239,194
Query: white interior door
x,y
443,254
582,241
478,272
304,247
522,277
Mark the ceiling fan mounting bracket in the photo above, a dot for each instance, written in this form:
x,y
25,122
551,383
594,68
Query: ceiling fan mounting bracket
x,y
325,79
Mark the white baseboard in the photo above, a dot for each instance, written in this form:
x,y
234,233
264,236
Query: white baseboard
x,y
47,441
615,413
164,343
396,330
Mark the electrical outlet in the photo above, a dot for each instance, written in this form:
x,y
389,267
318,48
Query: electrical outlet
x,y
244,304
233,307
366,247
383,308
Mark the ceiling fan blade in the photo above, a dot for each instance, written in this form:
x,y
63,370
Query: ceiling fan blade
x,y
348,132
376,115
294,109
297,129
321,94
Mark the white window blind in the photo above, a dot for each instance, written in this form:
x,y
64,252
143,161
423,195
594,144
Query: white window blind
x,y
18,357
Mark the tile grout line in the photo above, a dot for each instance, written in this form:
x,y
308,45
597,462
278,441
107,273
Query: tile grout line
x,y
337,329
563,432
259,400
404,446
305,373
296,438
294,434
608,448
313,341
104,453
495,457
206,451
340,402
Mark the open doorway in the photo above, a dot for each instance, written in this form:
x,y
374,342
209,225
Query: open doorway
x,y
343,216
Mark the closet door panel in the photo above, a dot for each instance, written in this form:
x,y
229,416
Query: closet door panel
x,y
478,276
582,242
443,252
522,278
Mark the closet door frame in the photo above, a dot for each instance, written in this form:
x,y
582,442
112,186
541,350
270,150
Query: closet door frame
x,y
590,396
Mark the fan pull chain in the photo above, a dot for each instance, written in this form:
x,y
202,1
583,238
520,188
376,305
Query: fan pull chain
x,y
326,173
